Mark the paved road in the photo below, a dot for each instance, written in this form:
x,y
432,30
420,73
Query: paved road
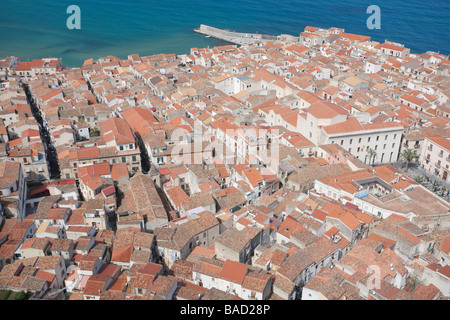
x,y
52,157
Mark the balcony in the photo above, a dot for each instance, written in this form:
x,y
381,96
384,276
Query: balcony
x,y
437,165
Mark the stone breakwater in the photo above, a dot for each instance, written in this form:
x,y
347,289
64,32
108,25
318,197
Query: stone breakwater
x,y
239,38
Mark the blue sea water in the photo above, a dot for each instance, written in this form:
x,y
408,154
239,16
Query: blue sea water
x,y
34,29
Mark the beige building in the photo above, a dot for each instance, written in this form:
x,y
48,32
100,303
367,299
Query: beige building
x,y
73,158
34,247
13,189
435,156
177,240
328,123
238,245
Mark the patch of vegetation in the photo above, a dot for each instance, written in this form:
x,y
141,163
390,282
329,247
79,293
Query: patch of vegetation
x,y
4,294
412,282
419,179
21,295
94,132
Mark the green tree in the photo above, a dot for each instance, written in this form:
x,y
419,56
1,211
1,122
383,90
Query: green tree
x,y
94,132
372,155
21,296
4,294
419,179
409,155
412,282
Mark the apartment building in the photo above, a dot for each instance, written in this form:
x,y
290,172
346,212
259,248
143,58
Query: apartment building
x,y
13,189
435,156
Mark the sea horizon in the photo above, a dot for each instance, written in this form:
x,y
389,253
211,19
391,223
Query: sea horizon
x,y
36,30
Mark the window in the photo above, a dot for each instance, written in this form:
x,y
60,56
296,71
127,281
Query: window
x,y
385,138
130,146
384,146
120,148
368,139
393,145
351,140
342,142
124,159
359,141
378,138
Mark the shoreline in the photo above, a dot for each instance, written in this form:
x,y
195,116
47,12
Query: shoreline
x,y
228,37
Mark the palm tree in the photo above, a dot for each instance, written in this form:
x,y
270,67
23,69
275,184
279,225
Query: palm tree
x,y
372,155
419,179
409,155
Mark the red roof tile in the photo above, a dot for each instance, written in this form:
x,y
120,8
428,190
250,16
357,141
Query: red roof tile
x,y
233,271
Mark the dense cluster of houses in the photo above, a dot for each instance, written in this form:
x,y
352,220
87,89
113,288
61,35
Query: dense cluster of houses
x,y
255,172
